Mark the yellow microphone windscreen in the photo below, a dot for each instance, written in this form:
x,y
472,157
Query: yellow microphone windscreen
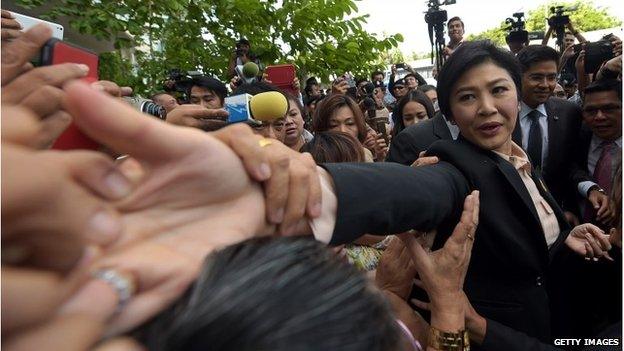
x,y
268,106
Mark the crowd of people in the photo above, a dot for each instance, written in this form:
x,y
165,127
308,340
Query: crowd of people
x,y
481,213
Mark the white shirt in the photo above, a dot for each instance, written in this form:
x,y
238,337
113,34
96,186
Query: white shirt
x,y
595,150
453,128
525,126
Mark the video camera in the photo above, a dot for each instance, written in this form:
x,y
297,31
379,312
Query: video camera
x,y
436,20
595,54
517,33
179,81
558,21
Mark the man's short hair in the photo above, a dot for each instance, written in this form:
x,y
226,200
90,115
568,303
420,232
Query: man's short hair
x,y
289,293
377,73
532,54
605,85
212,84
453,19
243,41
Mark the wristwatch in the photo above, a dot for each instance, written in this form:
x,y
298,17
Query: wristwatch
x,y
597,188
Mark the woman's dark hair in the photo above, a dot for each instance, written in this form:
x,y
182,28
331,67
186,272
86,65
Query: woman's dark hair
x,y
532,54
467,56
289,293
425,88
416,96
290,97
329,105
333,146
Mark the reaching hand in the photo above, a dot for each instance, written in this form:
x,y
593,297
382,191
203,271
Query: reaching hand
x,y
11,29
589,241
600,202
197,116
442,272
396,271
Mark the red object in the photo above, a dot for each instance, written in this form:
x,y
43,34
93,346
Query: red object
x,y
282,76
56,52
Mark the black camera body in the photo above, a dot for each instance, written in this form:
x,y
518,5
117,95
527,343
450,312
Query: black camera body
x,y
517,33
436,16
180,81
559,18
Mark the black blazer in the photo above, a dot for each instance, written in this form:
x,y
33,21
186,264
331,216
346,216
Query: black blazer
x,y
564,123
507,276
408,144
584,142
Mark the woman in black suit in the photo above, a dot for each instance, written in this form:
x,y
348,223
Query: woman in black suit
x,y
521,229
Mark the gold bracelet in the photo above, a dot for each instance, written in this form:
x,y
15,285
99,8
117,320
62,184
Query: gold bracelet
x,y
445,341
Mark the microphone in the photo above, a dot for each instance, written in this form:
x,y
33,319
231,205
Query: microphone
x,y
263,107
268,106
250,72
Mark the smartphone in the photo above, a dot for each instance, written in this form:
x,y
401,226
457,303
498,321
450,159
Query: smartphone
x,y
55,52
28,22
282,76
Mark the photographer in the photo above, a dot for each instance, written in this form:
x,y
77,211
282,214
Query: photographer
x,y
455,28
205,111
240,56
571,35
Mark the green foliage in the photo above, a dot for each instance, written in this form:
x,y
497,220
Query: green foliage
x,y
320,37
586,18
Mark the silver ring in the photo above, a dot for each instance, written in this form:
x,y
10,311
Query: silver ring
x,y
121,283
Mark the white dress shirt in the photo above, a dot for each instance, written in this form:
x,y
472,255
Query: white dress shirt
x,y
525,126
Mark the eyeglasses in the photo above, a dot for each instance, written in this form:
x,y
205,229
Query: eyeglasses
x,y
278,125
593,110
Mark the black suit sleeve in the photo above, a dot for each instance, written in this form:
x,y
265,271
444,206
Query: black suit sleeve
x,y
402,149
387,198
500,337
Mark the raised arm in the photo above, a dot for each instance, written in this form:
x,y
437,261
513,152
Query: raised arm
x,y
418,198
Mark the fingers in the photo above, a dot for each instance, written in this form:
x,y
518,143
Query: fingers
x,y
421,304
241,139
313,207
111,88
120,344
52,127
601,238
417,251
16,53
603,210
44,100
425,161
10,34
8,21
125,130
98,173
298,193
19,125
596,250
55,75
276,197
464,231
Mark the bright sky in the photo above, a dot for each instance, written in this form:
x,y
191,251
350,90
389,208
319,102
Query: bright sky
x,y
407,17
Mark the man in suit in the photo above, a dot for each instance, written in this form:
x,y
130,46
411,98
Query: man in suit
x,y
409,143
547,127
601,147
